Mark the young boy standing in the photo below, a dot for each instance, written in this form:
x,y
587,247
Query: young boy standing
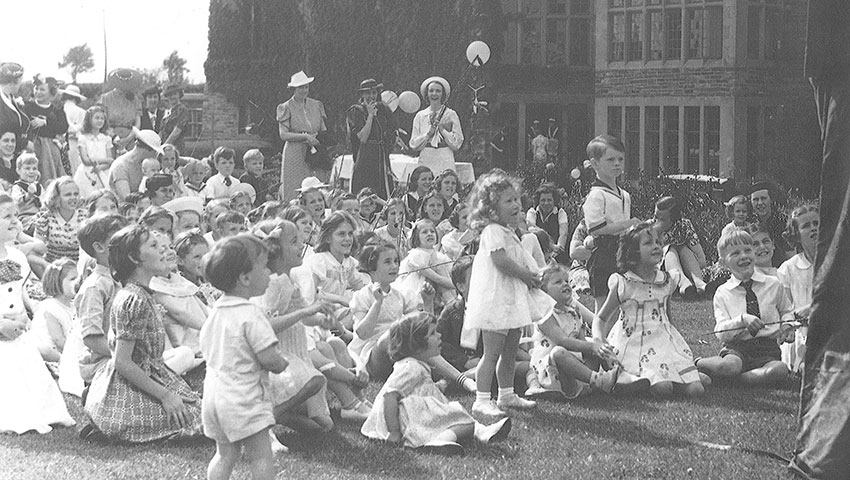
x,y
607,211
749,310
222,184
254,161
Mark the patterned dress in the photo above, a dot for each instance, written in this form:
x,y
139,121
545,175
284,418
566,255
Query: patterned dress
x,y
648,345
121,410
58,234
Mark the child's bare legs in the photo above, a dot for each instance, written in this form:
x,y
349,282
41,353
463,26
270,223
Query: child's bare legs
x,y
691,268
457,432
672,263
339,378
570,365
667,389
293,412
771,373
721,367
225,458
494,343
599,299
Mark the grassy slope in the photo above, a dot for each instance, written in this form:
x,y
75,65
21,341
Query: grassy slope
x,y
594,437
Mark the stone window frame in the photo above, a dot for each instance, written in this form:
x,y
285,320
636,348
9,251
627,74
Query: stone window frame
x,y
639,31
525,16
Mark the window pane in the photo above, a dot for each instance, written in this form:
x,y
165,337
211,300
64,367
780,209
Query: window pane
x,y
579,7
713,38
615,121
772,36
618,37
753,141
533,7
695,32
753,32
692,122
531,42
557,7
651,142
579,124
556,41
579,41
509,6
674,33
671,139
712,140
656,35
510,51
632,139
635,36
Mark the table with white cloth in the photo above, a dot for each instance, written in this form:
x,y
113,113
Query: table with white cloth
x,y
402,166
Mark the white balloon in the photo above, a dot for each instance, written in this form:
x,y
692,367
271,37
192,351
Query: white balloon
x,y
409,102
478,53
390,99
575,173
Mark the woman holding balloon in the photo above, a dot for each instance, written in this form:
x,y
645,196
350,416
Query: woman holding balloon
x,y
372,132
436,129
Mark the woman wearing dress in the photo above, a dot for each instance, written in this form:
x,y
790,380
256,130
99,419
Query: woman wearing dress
x,y
299,119
371,130
176,117
135,397
122,105
436,143
47,124
75,115
12,117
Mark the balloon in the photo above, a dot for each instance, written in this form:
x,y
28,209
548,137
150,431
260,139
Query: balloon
x,y
478,53
409,102
575,173
390,99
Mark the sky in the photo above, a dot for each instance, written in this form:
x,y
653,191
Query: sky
x,y
139,34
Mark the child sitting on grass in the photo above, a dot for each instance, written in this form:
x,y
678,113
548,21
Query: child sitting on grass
x,y
241,349
51,322
750,311
410,410
424,264
682,250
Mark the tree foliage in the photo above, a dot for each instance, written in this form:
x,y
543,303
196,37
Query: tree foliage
x,y
175,67
80,60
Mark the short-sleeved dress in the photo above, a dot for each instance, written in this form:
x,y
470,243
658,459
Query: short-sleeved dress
x,y
647,344
308,117
237,392
570,322
396,304
497,301
31,400
424,412
98,145
419,258
58,234
282,297
681,234
119,409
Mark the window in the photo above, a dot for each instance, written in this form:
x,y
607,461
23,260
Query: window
x,y
671,139
761,138
662,30
615,121
195,124
651,139
692,139
712,140
764,30
547,32
632,139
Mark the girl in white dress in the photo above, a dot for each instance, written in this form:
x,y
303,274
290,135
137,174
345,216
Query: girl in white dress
x,y
504,291
410,409
414,271
95,148
31,400
645,342
51,323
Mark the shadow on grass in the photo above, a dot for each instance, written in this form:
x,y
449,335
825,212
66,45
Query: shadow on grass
x,y
360,456
752,400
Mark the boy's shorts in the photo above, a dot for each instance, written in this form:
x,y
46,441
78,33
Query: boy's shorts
x,y
602,263
754,353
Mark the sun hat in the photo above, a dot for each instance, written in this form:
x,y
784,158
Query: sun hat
x,y
10,71
185,204
149,138
299,80
172,88
370,84
309,183
73,91
423,89
247,188
125,79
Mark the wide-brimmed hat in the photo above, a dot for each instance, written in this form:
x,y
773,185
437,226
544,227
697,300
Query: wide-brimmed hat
x,y
247,188
149,138
10,71
159,180
311,182
299,80
423,89
185,204
73,91
370,84
172,88
125,79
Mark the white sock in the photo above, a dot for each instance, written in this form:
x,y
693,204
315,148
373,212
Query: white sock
x,y
482,397
506,392
447,436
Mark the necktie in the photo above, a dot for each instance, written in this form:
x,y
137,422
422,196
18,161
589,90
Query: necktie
x,y
752,299
228,181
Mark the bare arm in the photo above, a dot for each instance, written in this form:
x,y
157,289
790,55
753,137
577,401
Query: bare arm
x,y
511,268
391,416
602,321
616,228
54,329
365,327
439,280
121,188
271,360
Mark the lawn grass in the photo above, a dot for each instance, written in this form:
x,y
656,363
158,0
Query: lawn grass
x,y
593,437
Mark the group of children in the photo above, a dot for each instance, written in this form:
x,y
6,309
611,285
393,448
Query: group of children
x,y
284,305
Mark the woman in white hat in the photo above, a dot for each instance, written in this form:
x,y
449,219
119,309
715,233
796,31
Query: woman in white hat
x,y
299,119
436,137
75,115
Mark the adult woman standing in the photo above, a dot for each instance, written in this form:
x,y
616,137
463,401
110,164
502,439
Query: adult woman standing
x,y
371,130
12,117
299,119
122,106
47,122
75,115
8,144
436,142
135,397
176,117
